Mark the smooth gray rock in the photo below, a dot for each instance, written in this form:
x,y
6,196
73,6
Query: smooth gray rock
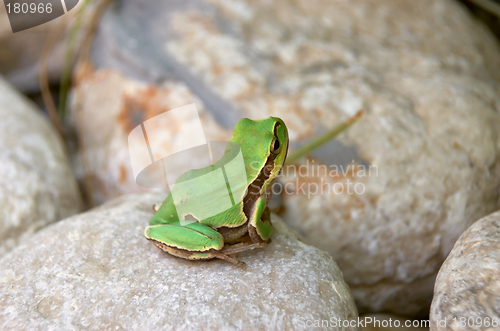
x,y
37,186
96,271
467,291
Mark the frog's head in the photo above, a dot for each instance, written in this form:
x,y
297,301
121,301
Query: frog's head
x,y
264,143
279,143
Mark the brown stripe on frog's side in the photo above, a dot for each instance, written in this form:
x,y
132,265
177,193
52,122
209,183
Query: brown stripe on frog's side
x,y
254,188
253,193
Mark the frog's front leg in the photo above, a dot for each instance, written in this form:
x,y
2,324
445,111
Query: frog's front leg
x,y
260,227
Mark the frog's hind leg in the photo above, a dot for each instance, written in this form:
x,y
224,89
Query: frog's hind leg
x,y
183,253
259,231
225,254
241,247
194,241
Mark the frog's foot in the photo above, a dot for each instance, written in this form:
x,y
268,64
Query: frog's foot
x,y
260,227
241,247
231,259
229,250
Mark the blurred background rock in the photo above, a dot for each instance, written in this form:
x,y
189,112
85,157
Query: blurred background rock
x,y
427,74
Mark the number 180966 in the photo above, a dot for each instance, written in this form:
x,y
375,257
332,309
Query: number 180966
x,y
32,8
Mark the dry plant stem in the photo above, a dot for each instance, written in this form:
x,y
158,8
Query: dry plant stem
x,y
322,139
43,77
82,60
80,124
68,61
89,37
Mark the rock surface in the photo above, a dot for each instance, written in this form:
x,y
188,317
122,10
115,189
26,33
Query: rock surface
x,y
467,288
427,76
96,271
37,186
423,72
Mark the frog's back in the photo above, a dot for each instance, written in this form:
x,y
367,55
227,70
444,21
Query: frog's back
x,y
231,217
208,198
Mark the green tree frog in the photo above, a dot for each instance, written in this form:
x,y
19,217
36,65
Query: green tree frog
x,y
247,224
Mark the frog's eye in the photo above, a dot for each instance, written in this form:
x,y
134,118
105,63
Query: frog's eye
x,y
275,146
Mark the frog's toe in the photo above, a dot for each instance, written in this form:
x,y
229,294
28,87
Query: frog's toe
x,y
231,259
157,206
